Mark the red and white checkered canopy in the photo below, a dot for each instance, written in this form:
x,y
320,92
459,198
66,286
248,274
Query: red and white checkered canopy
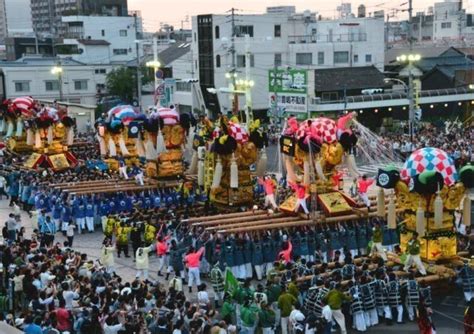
x,y
238,132
430,159
322,127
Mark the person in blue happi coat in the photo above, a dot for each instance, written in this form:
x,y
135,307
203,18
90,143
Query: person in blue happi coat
x,y
57,210
48,231
89,213
66,217
80,214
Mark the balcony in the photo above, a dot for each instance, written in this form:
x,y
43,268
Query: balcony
x,y
330,38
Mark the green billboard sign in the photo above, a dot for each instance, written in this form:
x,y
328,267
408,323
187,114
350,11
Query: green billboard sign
x,y
287,81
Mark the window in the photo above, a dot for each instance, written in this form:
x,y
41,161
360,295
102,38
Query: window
x,y
356,58
102,32
277,59
368,58
100,71
123,33
277,30
304,58
445,25
241,61
118,52
241,31
320,58
51,85
218,61
100,88
22,86
80,84
182,86
341,57
217,32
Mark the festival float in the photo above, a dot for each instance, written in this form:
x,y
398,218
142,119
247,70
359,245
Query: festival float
x,y
224,167
155,140
311,152
43,132
428,190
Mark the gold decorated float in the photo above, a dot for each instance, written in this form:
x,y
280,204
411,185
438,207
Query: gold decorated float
x,y
157,140
44,132
428,191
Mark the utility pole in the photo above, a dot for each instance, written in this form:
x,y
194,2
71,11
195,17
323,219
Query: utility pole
x,y
60,81
411,101
235,99
137,48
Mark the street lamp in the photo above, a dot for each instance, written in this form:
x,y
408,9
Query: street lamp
x,y
155,64
58,70
410,59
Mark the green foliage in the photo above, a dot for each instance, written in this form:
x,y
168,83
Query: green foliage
x,y
122,82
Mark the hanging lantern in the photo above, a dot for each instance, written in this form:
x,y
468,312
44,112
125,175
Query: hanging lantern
x,y
234,173
392,214
381,203
438,211
420,221
216,180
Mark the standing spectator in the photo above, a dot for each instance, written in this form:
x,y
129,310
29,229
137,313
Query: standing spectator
x,y
11,227
334,299
70,234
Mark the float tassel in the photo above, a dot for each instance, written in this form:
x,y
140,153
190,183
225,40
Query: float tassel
x,y
160,143
392,214
216,180
438,211
420,221
234,173
112,148
201,152
381,203
466,215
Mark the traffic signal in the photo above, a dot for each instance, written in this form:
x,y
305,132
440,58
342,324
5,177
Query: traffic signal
x,y
418,114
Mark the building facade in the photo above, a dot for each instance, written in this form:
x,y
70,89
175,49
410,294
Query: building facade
x,y
100,39
46,14
32,76
280,38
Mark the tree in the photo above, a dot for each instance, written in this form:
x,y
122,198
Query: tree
x,y
122,82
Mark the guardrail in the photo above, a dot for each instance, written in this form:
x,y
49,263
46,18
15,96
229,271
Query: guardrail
x,y
327,38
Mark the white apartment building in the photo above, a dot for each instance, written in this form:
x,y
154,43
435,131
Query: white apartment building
x,y
32,76
279,38
101,39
